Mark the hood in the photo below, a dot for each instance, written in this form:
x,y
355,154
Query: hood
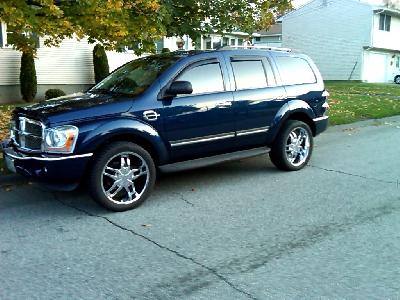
x,y
77,107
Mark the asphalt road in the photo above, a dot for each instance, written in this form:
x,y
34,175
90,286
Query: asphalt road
x,y
238,230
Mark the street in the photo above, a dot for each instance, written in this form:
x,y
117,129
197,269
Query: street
x,y
239,230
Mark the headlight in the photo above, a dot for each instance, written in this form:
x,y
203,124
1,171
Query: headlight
x,y
60,139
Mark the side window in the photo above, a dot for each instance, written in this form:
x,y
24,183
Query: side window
x,y
295,70
249,74
205,78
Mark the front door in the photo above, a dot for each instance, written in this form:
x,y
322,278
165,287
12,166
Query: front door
x,y
202,123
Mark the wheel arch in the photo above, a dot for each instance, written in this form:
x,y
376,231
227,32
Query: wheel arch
x,y
98,135
293,110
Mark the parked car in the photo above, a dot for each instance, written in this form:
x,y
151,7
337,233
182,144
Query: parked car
x,y
171,112
397,79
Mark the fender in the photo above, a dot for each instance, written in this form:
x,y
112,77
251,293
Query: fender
x,y
95,133
290,108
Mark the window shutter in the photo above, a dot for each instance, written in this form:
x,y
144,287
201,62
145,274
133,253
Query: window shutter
x,y
1,36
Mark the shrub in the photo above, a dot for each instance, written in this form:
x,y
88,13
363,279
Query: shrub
x,y
54,93
165,50
100,63
27,77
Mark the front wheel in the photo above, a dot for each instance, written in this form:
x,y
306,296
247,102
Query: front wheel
x,y
122,176
397,79
293,146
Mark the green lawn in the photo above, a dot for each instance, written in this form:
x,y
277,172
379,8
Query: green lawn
x,y
354,101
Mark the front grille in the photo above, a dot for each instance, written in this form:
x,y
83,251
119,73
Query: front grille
x,y
28,134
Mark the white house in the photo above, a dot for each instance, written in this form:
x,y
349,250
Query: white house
x,y
68,67
347,39
271,37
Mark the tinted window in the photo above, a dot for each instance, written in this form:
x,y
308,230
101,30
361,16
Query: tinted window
x,y
295,70
204,78
249,74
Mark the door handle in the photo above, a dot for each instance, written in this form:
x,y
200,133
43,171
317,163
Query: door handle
x,y
150,115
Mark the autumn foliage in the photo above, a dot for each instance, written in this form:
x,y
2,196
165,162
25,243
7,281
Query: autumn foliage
x,y
132,23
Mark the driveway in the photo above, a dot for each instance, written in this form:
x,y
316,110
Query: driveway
x,y
240,230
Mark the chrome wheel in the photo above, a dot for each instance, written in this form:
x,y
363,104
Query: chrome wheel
x,y
397,79
297,146
125,177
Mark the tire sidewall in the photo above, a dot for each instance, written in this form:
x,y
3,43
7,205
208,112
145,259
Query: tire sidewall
x,y
95,179
278,152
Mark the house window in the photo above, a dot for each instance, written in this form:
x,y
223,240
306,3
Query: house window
x,y
240,42
225,41
384,22
6,40
258,39
398,62
233,42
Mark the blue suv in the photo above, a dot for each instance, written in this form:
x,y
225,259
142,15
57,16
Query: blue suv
x,y
171,112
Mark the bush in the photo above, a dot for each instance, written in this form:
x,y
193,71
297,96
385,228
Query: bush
x,y
100,63
54,93
27,77
165,50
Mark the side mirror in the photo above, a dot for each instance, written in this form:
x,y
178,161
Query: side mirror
x,y
180,87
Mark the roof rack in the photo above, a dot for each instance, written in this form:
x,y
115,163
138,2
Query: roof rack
x,y
256,47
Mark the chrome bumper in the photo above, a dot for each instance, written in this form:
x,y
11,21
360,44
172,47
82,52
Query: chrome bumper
x,y
11,153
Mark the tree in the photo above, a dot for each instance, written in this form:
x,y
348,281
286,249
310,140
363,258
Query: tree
x,y
134,23
100,63
27,77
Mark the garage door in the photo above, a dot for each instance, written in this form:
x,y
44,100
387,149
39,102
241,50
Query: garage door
x,y
375,67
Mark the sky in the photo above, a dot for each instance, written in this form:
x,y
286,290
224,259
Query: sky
x,y
297,3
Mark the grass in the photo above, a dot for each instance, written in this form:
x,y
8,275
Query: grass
x,y
355,101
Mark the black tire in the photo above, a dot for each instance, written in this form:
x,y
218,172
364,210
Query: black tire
x,y
278,154
131,157
397,79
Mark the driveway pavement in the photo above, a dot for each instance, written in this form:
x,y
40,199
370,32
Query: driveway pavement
x,y
240,230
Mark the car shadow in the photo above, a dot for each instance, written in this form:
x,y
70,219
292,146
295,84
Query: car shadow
x,y
17,191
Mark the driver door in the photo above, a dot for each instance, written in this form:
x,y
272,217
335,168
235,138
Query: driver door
x,y
202,123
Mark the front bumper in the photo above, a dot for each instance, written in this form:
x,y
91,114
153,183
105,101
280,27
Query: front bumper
x,y
321,124
45,168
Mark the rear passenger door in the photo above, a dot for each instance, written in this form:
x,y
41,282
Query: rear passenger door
x,y
257,98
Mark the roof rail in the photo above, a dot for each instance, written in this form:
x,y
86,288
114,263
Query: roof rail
x,y
256,47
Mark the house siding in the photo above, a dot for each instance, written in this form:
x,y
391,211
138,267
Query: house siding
x,y
68,67
71,63
333,34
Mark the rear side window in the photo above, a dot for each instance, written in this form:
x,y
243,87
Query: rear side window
x,y
205,78
249,74
295,70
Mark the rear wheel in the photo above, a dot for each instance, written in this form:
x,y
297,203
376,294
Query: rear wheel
x,y
293,146
397,79
122,176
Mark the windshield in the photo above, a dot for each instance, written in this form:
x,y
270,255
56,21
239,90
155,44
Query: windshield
x,y
135,77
